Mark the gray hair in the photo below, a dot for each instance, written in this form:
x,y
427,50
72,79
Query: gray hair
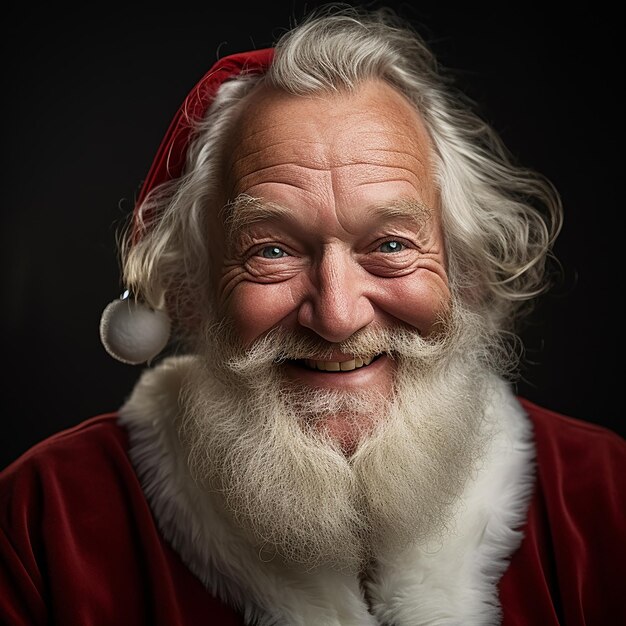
x,y
500,220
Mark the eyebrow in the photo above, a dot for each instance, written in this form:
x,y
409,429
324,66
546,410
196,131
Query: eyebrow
x,y
245,210
403,209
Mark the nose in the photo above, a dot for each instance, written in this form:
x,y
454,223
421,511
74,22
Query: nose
x,y
337,305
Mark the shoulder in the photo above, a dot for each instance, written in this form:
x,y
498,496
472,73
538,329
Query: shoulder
x,y
70,493
572,555
75,460
104,427
561,435
87,442
581,467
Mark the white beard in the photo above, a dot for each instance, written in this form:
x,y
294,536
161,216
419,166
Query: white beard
x,y
299,497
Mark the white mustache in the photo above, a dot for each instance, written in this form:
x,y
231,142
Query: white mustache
x,y
456,336
280,345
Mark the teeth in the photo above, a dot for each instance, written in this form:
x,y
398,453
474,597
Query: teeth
x,y
346,366
338,366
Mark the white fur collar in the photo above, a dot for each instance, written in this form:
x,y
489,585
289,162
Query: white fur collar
x,y
454,583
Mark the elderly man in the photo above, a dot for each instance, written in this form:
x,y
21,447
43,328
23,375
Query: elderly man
x,y
339,251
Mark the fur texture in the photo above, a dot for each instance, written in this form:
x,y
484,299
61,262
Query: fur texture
x,y
451,582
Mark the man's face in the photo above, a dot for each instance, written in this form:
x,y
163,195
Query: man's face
x,y
333,228
337,403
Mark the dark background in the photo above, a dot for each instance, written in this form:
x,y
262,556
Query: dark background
x,y
88,94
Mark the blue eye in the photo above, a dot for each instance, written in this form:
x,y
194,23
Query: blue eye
x,y
273,252
391,246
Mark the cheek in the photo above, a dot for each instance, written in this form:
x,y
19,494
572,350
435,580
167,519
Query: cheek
x,y
417,300
256,308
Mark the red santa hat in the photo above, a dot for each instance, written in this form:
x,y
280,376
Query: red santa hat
x,y
130,331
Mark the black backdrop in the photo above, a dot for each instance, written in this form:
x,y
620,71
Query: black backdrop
x,y
88,94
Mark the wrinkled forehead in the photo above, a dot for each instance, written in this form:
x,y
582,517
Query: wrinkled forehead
x,y
374,111
364,136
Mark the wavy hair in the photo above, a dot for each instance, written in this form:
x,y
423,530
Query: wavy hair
x,y
500,219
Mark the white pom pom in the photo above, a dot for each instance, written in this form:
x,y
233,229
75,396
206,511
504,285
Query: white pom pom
x,y
132,332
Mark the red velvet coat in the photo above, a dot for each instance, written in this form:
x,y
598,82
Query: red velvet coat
x,y
79,546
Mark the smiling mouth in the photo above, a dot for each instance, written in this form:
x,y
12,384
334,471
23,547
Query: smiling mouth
x,y
337,366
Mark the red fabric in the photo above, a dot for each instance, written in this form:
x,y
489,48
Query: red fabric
x,y
79,547
571,567
78,543
170,157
